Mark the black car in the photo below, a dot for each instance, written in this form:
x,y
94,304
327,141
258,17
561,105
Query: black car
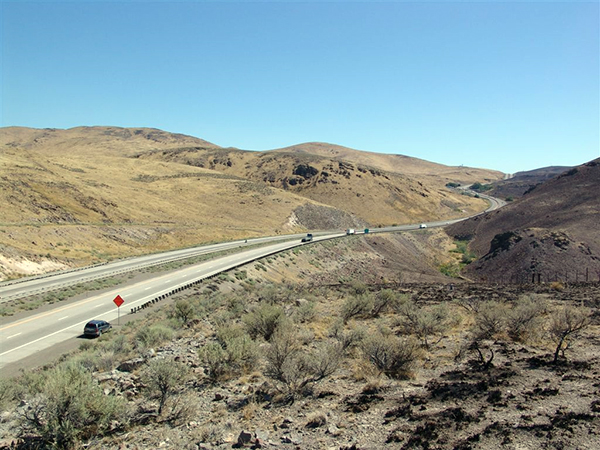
x,y
307,238
96,328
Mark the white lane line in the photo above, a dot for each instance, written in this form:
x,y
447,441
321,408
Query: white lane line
x,y
168,281
98,306
62,318
147,288
14,335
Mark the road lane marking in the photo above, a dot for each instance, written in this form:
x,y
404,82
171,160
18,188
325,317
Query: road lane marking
x,y
98,306
63,318
14,335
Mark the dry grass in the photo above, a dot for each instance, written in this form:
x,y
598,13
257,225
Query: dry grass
x,y
85,195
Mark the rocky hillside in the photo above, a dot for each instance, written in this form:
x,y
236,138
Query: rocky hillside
x,y
552,230
88,194
375,195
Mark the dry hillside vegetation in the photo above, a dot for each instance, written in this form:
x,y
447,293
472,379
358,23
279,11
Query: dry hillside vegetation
x,y
241,362
89,194
438,173
375,195
552,231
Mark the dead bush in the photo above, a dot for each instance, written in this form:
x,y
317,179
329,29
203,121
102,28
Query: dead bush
x,y
565,326
384,300
523,319
164,378
489,320
347,339
423,323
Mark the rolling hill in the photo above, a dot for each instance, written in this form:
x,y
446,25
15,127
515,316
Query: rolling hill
x,y
522,182
88,194
552,231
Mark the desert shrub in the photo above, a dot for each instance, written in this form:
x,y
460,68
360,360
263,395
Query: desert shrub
x,y
209,433
72,407
233,353
284,347
210,303
470,303
316,420
29,384
183,311
392,356
164,378
274,294
243,353
263,320
347,339
423,323
358,287
489,319
356,306
7,393
100,360
184,408
215,359
523,319
557,286
241,275
324,360
120,345
565,326
294,369
384,300
228,332
305,312
151,336
236,304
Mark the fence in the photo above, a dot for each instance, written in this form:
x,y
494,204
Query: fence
x,y
534,277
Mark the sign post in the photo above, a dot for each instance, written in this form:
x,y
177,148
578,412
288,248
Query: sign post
x,y
118,301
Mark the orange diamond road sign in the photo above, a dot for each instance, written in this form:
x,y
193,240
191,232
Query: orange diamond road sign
x,y
118,301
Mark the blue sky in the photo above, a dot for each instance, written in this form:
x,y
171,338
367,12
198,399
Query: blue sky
x,y
503,85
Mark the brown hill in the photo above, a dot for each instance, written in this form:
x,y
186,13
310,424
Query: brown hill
x,y
552,230
396,163
88,194
376,196
522,182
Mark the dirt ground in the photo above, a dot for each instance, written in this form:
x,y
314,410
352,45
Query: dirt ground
x,y
450,400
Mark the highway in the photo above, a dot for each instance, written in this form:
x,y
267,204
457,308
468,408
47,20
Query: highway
x,y
38,332
29,286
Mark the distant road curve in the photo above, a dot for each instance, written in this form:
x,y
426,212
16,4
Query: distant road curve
x,y
24,337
